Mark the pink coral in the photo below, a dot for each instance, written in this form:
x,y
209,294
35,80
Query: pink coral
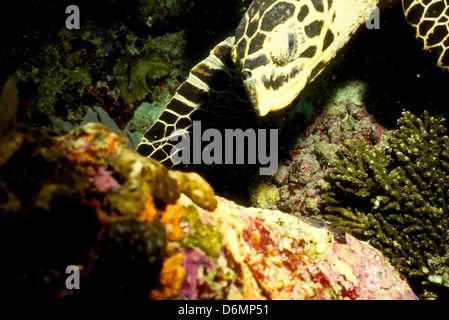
x,y
301,177
194,260
103,179
267,254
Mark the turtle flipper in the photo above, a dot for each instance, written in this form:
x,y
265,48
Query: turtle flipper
x,y
213,92
430,19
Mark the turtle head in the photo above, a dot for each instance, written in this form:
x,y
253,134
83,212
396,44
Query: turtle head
x,y
280,46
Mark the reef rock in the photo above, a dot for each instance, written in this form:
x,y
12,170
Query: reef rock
x,y
137,230
297,184
235,252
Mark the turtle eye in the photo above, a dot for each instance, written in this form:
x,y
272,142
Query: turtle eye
x,y
291,45
283,47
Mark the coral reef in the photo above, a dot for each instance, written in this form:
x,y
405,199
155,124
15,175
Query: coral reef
x,y
41,215
154,12
98,115
133,77
138,230
396,197
248,253
141,69
59,77
76,200
93,115
297,184
115,65
129,225
144,116
139,177
192,185
105,67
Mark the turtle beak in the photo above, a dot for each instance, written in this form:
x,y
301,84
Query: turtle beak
x,y
254,93
264,98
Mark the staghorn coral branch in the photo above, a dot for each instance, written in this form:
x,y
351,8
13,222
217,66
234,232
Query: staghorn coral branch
x,y
396,198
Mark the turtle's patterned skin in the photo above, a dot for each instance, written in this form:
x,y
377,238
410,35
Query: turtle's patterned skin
x,y
213,86
279,47
430,20
283,45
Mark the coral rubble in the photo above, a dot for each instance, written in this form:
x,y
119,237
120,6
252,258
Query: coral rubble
x,y
396,197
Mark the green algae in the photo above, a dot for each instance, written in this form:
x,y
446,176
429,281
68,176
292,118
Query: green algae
x,y
202,235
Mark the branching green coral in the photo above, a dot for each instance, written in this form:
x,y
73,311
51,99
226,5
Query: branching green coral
x,y
397,198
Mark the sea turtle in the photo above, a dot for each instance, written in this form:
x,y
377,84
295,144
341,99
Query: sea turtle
x,y
279,47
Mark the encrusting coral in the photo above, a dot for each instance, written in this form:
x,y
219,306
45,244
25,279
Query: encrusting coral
x,y
126,224
86,200
105,67
133,77
124,221
59,75
235,252
138,177
297,184
397,198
